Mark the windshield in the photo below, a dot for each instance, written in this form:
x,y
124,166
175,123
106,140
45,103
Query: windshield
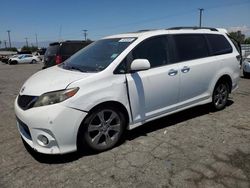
x,y
98,55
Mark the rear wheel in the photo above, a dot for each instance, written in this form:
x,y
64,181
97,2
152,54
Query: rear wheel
x,y
102,129
220,95
33,61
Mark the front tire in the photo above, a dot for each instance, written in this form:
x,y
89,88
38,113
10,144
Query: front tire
x,y
220,95
13,62
102,129
246,74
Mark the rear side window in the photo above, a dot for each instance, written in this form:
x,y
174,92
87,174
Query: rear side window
x,y
154,50
52,50
190,46
219,44
71,48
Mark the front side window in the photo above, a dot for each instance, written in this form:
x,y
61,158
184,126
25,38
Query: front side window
x,y
98,55
190,46
218,44
154,50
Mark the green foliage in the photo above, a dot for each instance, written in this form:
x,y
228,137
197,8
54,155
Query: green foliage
x,y
247,40
29,48
9,49
238,36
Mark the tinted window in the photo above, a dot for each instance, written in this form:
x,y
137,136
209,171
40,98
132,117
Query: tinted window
x,y
71,48
218,44
52,50
190,46
154,50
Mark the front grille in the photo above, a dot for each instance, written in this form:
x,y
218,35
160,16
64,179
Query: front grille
x,y
24,129
25,101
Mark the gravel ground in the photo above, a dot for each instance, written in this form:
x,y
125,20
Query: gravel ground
x,y
193,148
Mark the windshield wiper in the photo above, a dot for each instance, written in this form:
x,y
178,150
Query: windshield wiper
x,y
76,68
67,67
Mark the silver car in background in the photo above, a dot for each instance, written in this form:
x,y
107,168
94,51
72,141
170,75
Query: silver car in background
x,y
246,67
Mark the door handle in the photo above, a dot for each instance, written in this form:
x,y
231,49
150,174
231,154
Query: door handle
x,y
185,69
172,72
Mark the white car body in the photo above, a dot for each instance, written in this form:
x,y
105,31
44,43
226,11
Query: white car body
x,y
146,95
24,58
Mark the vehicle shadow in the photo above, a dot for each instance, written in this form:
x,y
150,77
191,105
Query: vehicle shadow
x,y
129,135
245,77
171,120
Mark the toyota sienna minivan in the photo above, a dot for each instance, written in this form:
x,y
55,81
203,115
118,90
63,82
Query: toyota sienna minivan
x,y
123,81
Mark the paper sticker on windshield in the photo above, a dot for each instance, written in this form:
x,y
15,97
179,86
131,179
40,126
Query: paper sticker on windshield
x,y
114,56
126,40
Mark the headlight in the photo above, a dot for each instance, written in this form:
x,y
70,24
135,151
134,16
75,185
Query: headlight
x,y
55,97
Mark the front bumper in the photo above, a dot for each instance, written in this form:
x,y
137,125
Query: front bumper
x,y
57,122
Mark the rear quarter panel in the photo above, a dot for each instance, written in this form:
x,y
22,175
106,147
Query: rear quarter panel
x,y
228,66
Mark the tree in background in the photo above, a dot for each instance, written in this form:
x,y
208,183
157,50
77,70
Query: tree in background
x,y
13,49
238,36
247,40
29,48
0,44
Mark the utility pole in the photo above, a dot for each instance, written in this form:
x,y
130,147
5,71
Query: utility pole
x,y
85,34
27,44
8,31
5,43
200,10
36,41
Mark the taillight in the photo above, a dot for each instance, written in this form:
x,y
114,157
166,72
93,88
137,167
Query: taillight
x,y
58,59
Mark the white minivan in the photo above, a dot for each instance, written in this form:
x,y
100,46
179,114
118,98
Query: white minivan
x,y
123,81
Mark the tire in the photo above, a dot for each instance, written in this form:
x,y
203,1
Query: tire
x,y
220,95
33,61
13,62
102,129
246,74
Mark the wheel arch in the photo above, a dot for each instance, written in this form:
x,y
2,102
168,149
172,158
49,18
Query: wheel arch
x,y
227,79
115,104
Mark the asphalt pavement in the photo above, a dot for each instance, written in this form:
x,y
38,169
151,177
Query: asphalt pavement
x,y
193,148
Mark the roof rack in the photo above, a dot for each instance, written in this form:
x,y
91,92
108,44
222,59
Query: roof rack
x,y
144,30
194,28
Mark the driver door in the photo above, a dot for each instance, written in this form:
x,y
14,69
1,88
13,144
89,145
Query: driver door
x,y
155,91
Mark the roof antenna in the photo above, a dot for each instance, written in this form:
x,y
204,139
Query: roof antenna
x,y
60,33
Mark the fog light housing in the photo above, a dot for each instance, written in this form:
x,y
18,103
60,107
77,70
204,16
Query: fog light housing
x,y
43,140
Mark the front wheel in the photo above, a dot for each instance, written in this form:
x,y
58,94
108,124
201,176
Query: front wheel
x,y
220,95
246,74
102,129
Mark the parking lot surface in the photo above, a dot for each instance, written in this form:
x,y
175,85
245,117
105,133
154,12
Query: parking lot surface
x,y
193,148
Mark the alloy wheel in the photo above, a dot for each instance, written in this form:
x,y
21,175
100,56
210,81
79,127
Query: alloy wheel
x,y
104,129
220,96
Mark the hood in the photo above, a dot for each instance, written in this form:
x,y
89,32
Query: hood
x,y
51,79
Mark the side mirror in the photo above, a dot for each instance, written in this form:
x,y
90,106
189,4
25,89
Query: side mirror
x,y
139,65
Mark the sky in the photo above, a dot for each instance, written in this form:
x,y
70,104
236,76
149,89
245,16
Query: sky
x,y
54,20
